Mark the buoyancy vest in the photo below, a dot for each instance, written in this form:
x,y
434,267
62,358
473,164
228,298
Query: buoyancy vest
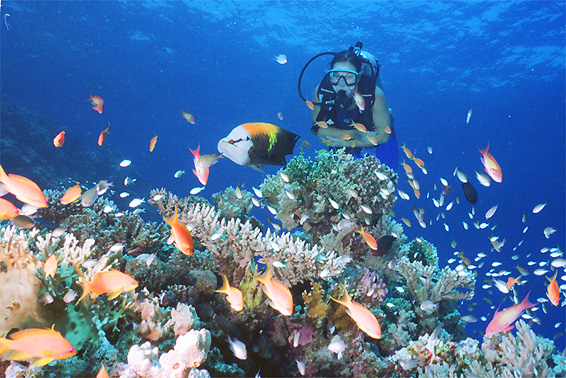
x,y
340,116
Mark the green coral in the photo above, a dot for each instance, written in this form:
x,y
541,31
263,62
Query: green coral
x,y
319,193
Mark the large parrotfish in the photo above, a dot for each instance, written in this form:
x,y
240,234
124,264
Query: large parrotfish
x,y
257,144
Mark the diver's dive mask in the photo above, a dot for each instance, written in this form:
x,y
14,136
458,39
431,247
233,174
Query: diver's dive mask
x,y
351,78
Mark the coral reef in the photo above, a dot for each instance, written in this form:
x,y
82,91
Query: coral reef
x,y
234,245
175,325
20,287
317,195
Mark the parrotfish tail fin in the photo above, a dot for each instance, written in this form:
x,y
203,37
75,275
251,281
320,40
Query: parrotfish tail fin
x,y
553,278
225,286
86,289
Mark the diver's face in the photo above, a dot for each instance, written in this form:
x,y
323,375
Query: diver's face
x,y
341,85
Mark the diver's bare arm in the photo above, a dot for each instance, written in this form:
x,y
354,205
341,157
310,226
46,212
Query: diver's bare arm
x,y
381,116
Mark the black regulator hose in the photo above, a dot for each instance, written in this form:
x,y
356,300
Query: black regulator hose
x,y
303,71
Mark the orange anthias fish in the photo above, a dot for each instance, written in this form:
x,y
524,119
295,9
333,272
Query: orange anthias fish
x,y
280,297
59,139
310,104
200,172
490,165
407,152
512,281
41,345
368,238
8,210
552,290
97,102
188,117
102,136
363,317
23,188
112,282
502,320
152,143
234,295
102,373
359,99
181,235
50,266
72,194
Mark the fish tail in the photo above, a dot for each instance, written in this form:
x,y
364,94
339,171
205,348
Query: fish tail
x,y
86,289
265,277
196,153
553,278
3,174
4,345
345,299
225,286
525,304
173,220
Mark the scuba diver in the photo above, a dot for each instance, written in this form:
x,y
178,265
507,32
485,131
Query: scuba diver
x,y
350,108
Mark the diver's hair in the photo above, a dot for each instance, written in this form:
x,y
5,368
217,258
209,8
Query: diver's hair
x,y
347,56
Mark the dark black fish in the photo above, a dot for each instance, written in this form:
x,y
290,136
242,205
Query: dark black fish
x,y
384,245
470,192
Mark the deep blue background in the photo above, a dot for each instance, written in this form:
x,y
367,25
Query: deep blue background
x,y
149,60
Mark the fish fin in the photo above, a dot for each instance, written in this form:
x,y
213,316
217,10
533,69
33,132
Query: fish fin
x,y
3,174
225,286
508,328
553,278
86,289
345,299
265,277
42,361
171,221
4,345
257,168
17,355
113,295
196,153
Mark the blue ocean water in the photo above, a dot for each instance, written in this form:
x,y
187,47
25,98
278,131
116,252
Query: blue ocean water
x,y
149,60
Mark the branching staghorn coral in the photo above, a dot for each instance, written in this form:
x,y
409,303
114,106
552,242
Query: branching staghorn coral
x,y
427,282
524,355
234,245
